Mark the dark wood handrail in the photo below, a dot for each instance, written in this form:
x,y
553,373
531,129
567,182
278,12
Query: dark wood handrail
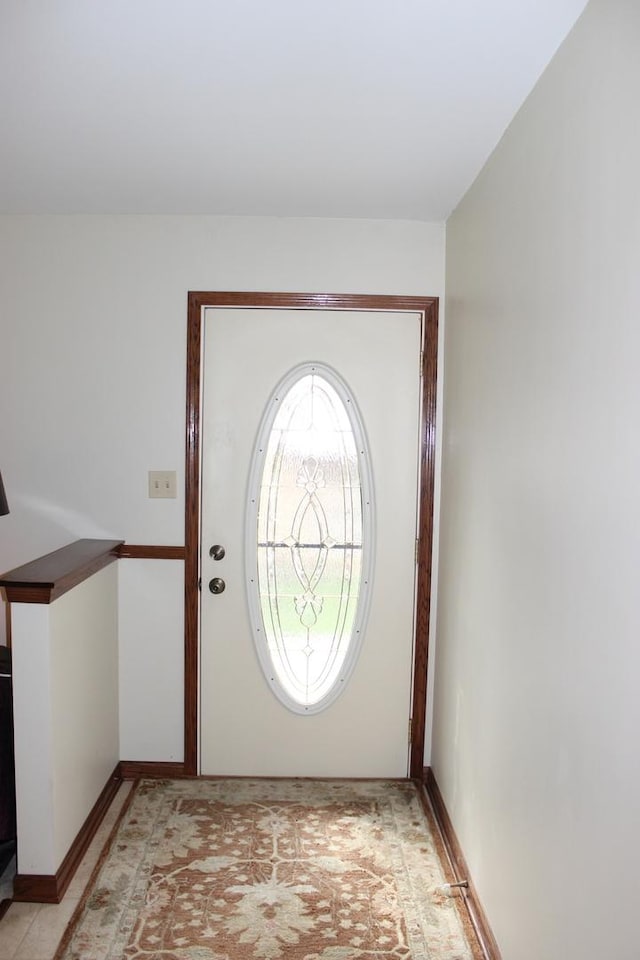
x,y
47,578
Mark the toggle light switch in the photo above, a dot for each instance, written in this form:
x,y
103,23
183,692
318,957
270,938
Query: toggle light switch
x,y
162,483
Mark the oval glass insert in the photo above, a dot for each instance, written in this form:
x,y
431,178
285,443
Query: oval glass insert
x,y
309,541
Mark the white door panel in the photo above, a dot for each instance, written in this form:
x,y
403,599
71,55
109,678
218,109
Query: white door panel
x,y
244,729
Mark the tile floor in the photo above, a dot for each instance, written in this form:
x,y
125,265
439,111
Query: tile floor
x,y
32,931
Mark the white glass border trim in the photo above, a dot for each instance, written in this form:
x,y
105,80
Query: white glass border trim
x,y
251,540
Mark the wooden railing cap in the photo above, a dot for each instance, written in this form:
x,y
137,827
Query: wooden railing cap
x,y
47,578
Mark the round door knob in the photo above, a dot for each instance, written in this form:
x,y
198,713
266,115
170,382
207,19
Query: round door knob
x,y
217,552
217,585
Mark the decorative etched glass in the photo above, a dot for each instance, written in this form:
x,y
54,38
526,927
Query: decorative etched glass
x,y
309,538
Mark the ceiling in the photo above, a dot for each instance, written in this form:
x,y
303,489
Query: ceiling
x,y
323,108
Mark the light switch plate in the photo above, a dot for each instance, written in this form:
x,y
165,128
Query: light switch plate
x,y
162,483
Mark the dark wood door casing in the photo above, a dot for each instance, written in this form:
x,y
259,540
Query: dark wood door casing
x,y
427,307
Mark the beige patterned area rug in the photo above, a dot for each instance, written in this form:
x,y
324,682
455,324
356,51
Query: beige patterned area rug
x,y
269,869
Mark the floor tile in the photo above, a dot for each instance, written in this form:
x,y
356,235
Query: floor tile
x,y
32,931
45,932
14,927
81,877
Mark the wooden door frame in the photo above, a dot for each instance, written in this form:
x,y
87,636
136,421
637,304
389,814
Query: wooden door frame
x,y
427,307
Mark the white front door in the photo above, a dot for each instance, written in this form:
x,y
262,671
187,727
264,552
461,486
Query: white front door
x,y
244,728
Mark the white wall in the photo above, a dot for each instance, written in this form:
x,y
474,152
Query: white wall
x,y
65,683
537,710
151,668
31,665
92,377
84,700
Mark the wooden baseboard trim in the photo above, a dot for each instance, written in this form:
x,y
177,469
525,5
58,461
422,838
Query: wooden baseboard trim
x,y
138,769
42,888
477,916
